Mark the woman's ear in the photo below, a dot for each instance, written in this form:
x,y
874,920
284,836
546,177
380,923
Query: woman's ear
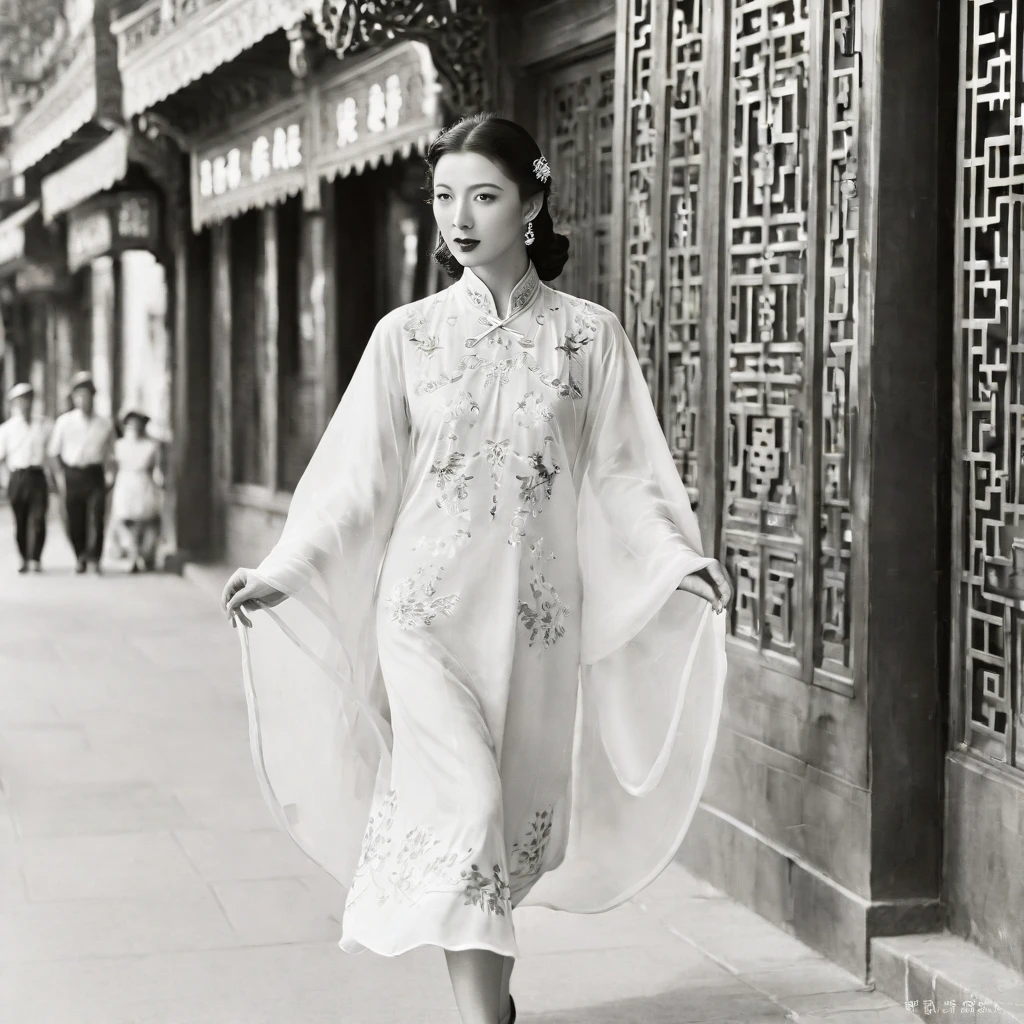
x,y
532,207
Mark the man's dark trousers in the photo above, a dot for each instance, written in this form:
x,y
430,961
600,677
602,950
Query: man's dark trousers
x,y
29,497
86,503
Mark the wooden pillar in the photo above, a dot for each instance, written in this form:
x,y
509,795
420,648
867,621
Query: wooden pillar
x,y
191,392
267,319
104,313
909,356
220,371
319,295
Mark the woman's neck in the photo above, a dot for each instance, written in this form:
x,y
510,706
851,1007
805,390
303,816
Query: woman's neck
x,y
502,276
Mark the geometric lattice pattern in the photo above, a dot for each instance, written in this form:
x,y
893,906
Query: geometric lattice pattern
x,y
840,253
578,120
766,221
990,379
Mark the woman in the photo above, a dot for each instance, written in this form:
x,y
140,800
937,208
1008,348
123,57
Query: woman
x,y
135,501
486,691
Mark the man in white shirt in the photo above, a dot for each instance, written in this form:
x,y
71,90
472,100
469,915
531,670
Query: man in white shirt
x,y
23,452
81,448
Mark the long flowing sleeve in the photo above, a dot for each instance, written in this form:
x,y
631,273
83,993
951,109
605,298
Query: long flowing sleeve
x,y
318,713
652,657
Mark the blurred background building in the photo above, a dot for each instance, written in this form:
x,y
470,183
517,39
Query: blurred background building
x,y
807,214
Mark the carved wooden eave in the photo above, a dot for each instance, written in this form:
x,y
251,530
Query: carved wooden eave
x,y
87,90
158,54
101,168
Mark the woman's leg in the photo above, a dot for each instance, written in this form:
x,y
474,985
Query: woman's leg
x,y
476,980
504,1002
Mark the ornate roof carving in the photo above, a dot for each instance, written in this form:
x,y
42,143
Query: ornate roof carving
x,y
167,44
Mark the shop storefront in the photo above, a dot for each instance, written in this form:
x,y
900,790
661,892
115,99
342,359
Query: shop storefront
x,y
317,227
32,279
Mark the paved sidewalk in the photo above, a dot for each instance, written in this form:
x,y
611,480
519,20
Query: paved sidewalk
x,y
143,882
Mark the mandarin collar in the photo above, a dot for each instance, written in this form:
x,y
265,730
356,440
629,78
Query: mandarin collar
x,y
480,295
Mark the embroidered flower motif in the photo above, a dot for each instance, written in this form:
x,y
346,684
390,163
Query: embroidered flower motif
x,y
414,326
418,865
458,407
452,480
531,410
538,483
443,547
527,857
490,893
496,453
428,387
414,601
544,617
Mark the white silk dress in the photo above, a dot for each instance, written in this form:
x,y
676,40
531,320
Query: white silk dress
x,y
485,690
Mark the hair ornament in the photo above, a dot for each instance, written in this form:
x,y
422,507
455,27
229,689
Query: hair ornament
x,y
541,170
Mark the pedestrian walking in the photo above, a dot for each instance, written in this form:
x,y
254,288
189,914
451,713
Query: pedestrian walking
x,y
23,440
135,501
499,677
81,449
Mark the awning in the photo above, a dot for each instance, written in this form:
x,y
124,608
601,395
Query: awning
x,y
94,172
14,239
377,108
159,53
87,90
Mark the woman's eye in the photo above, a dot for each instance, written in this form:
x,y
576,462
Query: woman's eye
x,y
442,196
486,195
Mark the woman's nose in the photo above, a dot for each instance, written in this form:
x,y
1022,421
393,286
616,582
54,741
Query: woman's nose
x,y
461,220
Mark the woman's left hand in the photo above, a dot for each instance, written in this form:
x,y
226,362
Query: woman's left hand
x,y
712,583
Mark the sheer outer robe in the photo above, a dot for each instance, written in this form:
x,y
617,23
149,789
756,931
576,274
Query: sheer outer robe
x,y
652,658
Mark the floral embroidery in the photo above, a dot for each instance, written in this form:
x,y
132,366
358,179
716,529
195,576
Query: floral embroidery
x,y
428,344
527,857
531,410
538,483
443,547
428,387
452,480
496,453
414,601
490,893
545,616
417,867
458,407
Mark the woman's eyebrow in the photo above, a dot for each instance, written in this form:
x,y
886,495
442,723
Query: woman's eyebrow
x,y
483,184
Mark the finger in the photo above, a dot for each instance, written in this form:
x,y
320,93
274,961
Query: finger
x,y
702,589
240,597
243,618
721,582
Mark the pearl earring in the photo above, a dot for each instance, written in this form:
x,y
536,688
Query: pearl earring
x,y
530,236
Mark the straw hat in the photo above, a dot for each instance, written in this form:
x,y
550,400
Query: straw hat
x,y
20,391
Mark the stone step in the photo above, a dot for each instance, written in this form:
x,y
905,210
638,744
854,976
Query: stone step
x,y
941,977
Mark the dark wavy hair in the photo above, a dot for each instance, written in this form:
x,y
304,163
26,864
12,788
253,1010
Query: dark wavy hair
x,y
513,149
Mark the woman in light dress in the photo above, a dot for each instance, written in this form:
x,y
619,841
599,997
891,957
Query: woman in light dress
x,y
136,498
498,677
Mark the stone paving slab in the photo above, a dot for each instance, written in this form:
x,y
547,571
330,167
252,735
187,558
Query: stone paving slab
x,y
142,880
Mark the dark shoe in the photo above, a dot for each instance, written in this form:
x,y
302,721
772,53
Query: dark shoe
x,y
35,566
512,1014
24,567
80,566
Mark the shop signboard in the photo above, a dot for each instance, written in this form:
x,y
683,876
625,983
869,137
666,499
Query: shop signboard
x,y
112,224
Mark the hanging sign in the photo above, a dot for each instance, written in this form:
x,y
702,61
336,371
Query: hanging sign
x,y
255,167
385,105
112,224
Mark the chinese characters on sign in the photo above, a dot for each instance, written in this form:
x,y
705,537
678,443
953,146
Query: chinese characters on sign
x,y
383,111
271,152
111,224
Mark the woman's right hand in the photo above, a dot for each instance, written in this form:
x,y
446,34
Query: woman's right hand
x,y
246,592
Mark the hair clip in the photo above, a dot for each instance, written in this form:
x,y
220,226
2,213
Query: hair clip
x,y
541,169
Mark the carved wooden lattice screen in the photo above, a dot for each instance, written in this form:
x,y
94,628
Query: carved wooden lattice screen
x,y
576,118
989,543
787,390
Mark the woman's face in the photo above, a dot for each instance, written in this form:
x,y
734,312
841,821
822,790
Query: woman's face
x,y
133,426
478,210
